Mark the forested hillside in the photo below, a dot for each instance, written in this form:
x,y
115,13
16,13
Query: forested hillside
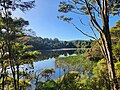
x,y
40,43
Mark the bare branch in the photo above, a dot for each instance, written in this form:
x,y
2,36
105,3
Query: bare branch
x,y
102,48
77,12
95,27
83,23
93,32
82,31
94,8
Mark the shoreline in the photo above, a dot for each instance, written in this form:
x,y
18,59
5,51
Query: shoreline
x,y
64,49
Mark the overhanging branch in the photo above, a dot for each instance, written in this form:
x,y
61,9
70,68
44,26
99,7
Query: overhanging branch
x,y
82,31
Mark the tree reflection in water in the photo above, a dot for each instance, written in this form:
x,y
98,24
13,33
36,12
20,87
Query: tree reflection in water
x,y
50,54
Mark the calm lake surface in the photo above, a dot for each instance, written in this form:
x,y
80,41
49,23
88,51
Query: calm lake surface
x,y
47,60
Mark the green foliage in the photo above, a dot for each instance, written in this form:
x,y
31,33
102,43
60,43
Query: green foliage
x,y
79,7
9,83
47,72
117,68
118,23
100,75
97,81
24,84
64,7
115,32
13,36
17,4
116,51
72,60
48,85
69,77
94,53
68,81
30,55
74,80
100,68
39,43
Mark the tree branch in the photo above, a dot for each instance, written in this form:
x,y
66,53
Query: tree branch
x,y
82,31
93,32
91,17
98,3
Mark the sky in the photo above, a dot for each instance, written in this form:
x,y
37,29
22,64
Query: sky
x,y
44,22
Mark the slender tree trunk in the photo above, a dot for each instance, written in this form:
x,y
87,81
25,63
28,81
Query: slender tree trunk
x,y
12,65
13,72
3,81
2,75
18,76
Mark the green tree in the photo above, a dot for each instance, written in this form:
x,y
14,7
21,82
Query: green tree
x,y
96,9
48,85
11,33
116,51
115,32
16,52
93,53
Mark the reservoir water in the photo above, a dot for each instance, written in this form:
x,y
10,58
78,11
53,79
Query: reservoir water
x,y
47,60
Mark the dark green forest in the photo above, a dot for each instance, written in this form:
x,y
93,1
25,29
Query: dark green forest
x,y
40,43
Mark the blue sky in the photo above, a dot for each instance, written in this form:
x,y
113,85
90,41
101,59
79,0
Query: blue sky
x,y
43,20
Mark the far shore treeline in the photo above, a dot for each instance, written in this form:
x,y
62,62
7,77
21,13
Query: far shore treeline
x,y
39,43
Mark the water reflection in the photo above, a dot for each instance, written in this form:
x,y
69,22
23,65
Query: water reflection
x,y
54,54
47,60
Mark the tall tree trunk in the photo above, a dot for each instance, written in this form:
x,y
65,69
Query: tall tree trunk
x,y
110,63
108,45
